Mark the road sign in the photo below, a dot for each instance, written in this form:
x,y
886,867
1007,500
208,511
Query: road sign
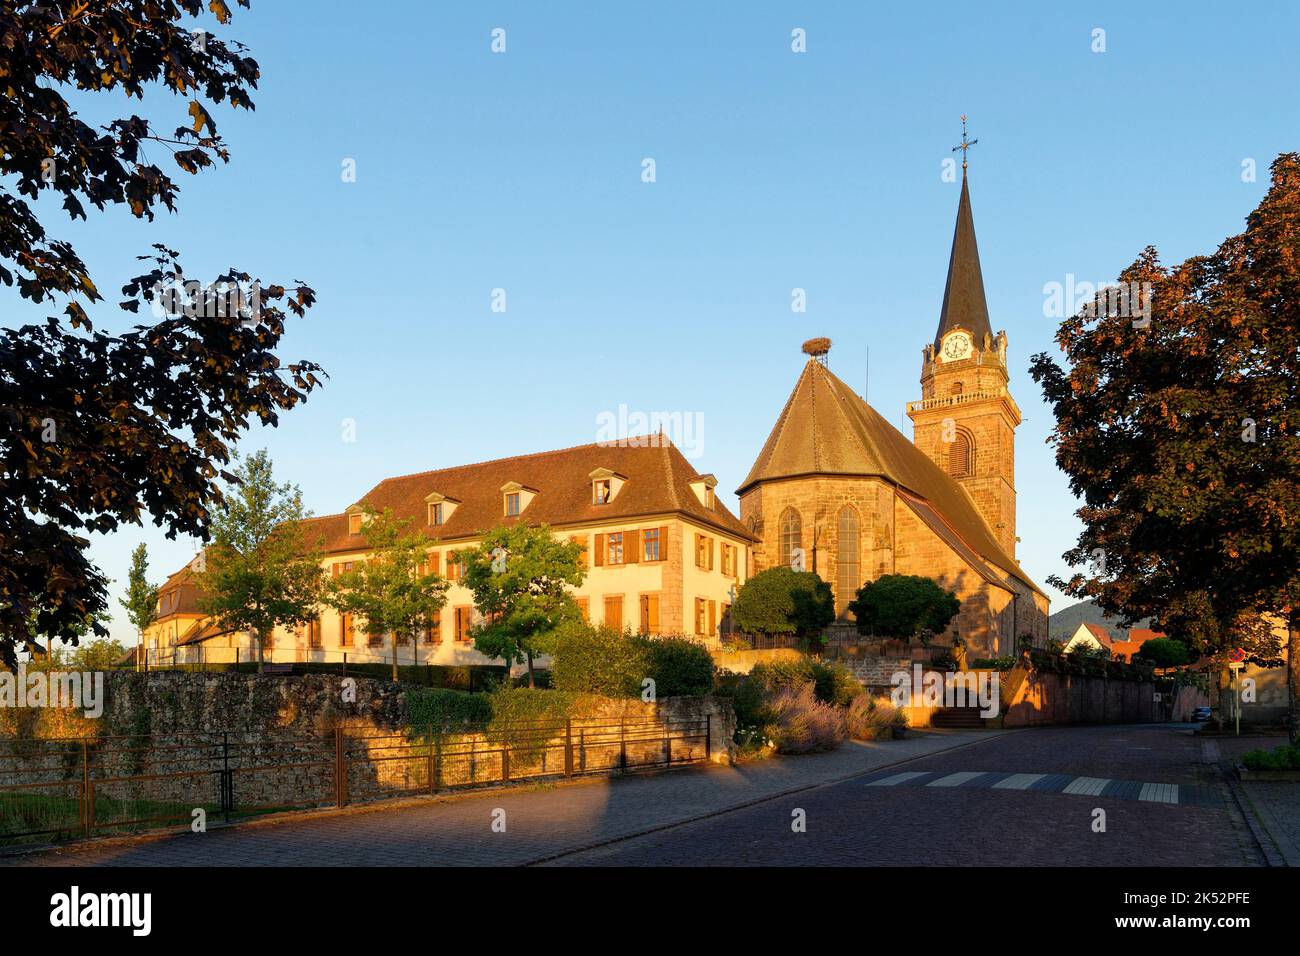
x,y
1236,655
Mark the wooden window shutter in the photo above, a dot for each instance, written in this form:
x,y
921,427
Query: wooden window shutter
x,y
710,547
663,543
698,562
600,550
653,606
334,569
645,614
435,559
581,540
713,618
631,547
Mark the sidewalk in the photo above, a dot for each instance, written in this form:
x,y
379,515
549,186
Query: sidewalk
x,y
541,821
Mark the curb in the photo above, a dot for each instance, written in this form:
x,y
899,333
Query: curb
x,y
1263,839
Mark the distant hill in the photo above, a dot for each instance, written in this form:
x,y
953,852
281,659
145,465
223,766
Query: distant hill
x,y
1066,621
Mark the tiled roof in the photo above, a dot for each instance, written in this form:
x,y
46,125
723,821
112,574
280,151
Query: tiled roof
x,y
181,585
1143,634
1101,634
1125,649
827,429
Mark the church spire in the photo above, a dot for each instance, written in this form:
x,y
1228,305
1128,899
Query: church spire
x,y
963,295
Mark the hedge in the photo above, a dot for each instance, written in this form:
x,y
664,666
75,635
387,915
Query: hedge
x,y
613,663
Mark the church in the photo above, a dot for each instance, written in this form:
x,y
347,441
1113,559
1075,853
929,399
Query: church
x,y
840,490
836,488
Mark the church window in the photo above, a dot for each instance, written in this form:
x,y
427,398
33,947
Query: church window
x,y
847,577
791,533
955,388
961,454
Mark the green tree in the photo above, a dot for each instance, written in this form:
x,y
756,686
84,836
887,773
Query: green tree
x,y
99,428
521,577
1164,652
784,601
904,605
1179,429
141,601
392,591
259,572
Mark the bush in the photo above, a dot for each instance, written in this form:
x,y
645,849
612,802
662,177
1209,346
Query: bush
x,y
612,663
904,605
802,724
993,663
784,601
873,718
598,660
446,708
679,666
1286,757
832,683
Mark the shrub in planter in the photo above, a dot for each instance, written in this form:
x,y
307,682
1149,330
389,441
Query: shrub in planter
x,y
803,724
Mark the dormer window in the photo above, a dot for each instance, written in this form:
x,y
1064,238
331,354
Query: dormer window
x,y
703,486
439,508
516,498
605,485
355,519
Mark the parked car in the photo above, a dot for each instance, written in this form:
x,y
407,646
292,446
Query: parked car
x,y
1201,714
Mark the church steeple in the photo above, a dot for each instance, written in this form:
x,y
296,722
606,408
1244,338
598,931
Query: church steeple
x,y
964,305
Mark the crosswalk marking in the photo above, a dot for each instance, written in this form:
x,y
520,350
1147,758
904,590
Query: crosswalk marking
x,y
1090,786
955,779
896,779
1159,793
1079,786
1019,781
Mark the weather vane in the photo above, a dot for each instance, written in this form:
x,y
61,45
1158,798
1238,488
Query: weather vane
x,y
965,144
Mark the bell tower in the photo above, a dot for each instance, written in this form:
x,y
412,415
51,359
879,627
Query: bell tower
x,y
966,419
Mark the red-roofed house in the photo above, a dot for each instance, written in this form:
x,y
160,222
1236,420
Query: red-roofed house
x,y
664,555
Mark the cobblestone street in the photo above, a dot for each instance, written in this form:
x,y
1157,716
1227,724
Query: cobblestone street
x,y
1022,798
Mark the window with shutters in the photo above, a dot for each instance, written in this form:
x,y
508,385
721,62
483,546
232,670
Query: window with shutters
x,y
347,630
847,575
791,535
313,633
650,544
433,633
649,613
584,605
581,541
463,619
960,454
704,552
614,548
701,612
614,611
453,567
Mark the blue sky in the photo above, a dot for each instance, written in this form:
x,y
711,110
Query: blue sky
x,y
775,170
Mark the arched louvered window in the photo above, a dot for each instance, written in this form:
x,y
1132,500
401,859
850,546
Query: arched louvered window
x,y
961,454
847,574
791,533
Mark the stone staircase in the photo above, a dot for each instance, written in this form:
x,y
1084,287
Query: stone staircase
x,y
957,718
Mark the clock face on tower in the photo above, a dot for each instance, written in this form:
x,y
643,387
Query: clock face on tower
x,y
956,346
